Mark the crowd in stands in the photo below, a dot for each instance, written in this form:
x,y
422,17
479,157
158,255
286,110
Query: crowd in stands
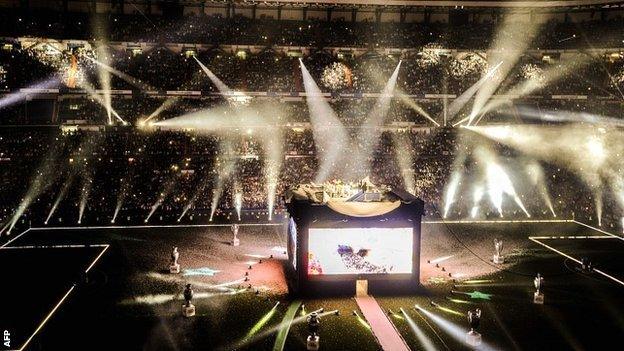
x,y
100,174
132,176
162,70
218,29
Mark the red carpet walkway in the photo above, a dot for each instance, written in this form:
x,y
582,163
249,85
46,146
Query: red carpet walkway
x,y
385,332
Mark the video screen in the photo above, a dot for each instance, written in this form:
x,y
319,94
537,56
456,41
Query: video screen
x,y
360,251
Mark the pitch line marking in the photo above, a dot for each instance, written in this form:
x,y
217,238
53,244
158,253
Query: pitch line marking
x,y
16,237
32,247
577,261
62,300
498,221
598,230
572,237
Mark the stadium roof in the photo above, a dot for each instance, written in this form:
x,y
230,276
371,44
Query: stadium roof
x,y
456,3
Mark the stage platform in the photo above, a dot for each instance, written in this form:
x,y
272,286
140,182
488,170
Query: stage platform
x,y
387,335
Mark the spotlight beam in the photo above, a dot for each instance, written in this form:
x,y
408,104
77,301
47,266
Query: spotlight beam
x,y
274,329
550,76
274,153
227,152
371,128
222,87
169,102
16,97
403,153
587,151
537,178
324,123
453,330
262,321
59,198
163,196
463,99
44,178
416,107
105,83
451,190
124,76
506,51
426,343
102,101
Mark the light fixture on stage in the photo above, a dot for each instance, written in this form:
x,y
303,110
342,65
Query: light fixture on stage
x,y
13,98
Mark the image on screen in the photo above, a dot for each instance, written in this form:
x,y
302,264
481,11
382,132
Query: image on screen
x,y
360,251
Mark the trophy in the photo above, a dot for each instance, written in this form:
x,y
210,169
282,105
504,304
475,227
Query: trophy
x,y
473,338
235,241
498,249
314,322
174,266
188,309
538,297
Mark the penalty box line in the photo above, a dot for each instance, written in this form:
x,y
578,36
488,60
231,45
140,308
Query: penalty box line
x,y
598,230
576,260
578,237
69,291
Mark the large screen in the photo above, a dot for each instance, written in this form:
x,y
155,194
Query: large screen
x,y
359,251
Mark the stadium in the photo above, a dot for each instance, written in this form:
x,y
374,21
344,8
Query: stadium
x,y
305,175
